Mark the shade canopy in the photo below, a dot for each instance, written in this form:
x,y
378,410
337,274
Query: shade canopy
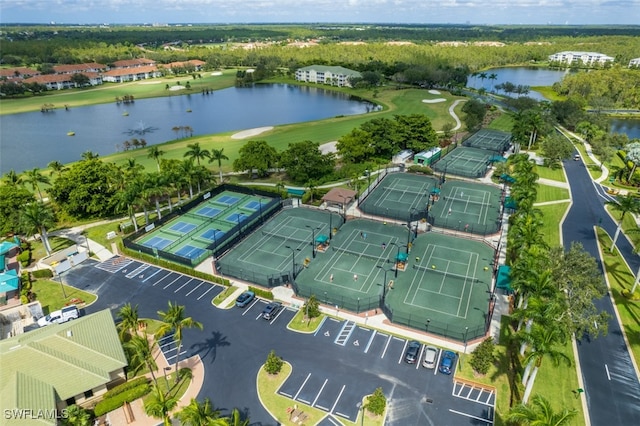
x,y
321,239
402,257
504,278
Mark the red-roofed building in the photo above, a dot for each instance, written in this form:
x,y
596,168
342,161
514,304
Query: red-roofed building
x,y
133,63
63,81
17,73
120,75
75,68
196,64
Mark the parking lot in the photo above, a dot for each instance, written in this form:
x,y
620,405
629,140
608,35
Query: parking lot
x,y
333,368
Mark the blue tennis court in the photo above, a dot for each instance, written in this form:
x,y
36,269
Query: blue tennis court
x,y
157,242
208,211
212,234
227,199
236,217
190,252
252,205
183,227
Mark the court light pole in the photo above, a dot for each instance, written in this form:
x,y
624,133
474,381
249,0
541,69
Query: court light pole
x,y
427,325
384,283
330,225
313,239
293,261
260,201
344,207
466,330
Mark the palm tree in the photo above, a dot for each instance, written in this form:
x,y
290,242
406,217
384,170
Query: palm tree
x,y
12,178
56,167
218,155
159,405
539,413
34,177
141,354
236,419
199,414
76,416
624,204
129,320
493,76
89,155
195,152
174,320
483,77
155,152
543,340
36,218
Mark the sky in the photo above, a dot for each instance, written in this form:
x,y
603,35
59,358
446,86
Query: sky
x,y
555,12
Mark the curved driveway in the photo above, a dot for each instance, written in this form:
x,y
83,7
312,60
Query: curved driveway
x,y
611,384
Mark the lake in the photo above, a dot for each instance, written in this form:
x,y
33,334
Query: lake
x,y
34,139
630,126
525,76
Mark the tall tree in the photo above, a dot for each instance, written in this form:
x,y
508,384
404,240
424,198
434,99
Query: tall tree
x,y
200,414
174,321
623,204
539,413
256,156
196,152
236,419
304,161
159,405
76,416
35,178
36,218
11,178
155,152
129,320
56,167
218,155
140,351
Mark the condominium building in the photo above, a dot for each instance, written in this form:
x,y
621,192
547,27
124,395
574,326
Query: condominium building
x,y
334,76
634,63
584,58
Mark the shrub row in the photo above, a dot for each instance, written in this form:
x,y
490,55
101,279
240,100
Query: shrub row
x,y
264,294
172,266
126,386
42,273
110,404
25,258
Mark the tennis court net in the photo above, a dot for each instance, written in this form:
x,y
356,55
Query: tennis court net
x,y
172,232
286,237
405,191
446,273
465,201
360,254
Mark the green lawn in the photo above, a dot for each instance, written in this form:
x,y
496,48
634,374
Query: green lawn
x,y
549,173
551,193
217,301
592,167
620,278
300,324
49,294
57,243
503,123
553,214
629,225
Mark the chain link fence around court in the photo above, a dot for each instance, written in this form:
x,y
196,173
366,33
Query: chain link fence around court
x,y
491,140
357,305
464,161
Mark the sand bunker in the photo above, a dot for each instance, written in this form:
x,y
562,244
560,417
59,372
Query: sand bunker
x,y
151,82
216,73
174,88
434,101
251,132
328,147
434,92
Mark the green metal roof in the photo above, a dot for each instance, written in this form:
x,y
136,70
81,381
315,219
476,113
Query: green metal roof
x,y
331,69
59,361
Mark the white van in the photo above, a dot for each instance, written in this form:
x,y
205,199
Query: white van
x,y
57,317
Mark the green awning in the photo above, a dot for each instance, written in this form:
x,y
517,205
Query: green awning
x,y
402,257
510,203
435,191
504,278
505,177
2,263
321,239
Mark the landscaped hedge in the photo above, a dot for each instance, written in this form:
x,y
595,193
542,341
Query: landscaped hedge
x,y
125,387
264,294
172,266
420,169
25,258
42,273
110,404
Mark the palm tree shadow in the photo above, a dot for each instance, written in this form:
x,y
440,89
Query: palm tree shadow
x,y
209,347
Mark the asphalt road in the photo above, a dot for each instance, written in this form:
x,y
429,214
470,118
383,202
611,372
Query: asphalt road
x,y
330,373
611,385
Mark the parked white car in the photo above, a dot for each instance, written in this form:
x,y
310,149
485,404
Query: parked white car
x,y
57,317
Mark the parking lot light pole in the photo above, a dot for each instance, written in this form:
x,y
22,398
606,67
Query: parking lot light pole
x,y
64,294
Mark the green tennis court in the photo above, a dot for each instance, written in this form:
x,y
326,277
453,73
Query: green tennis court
x,y
398,195
493,140
283,245
194,234
465,161
467,207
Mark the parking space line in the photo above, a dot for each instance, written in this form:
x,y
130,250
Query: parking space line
x,y
404,349
319,392
338,399
165,287
320,326
373,335
471,416
180,288
489,397
140,269
250,306
385,347
151,276
301,386
469,393
161,279
285,394
418,361
195,288
330,420
277,316
203,294
323,408
304,400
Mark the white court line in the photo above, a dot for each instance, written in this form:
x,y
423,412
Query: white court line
x,y
179,288
195,288
151,276
472,417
